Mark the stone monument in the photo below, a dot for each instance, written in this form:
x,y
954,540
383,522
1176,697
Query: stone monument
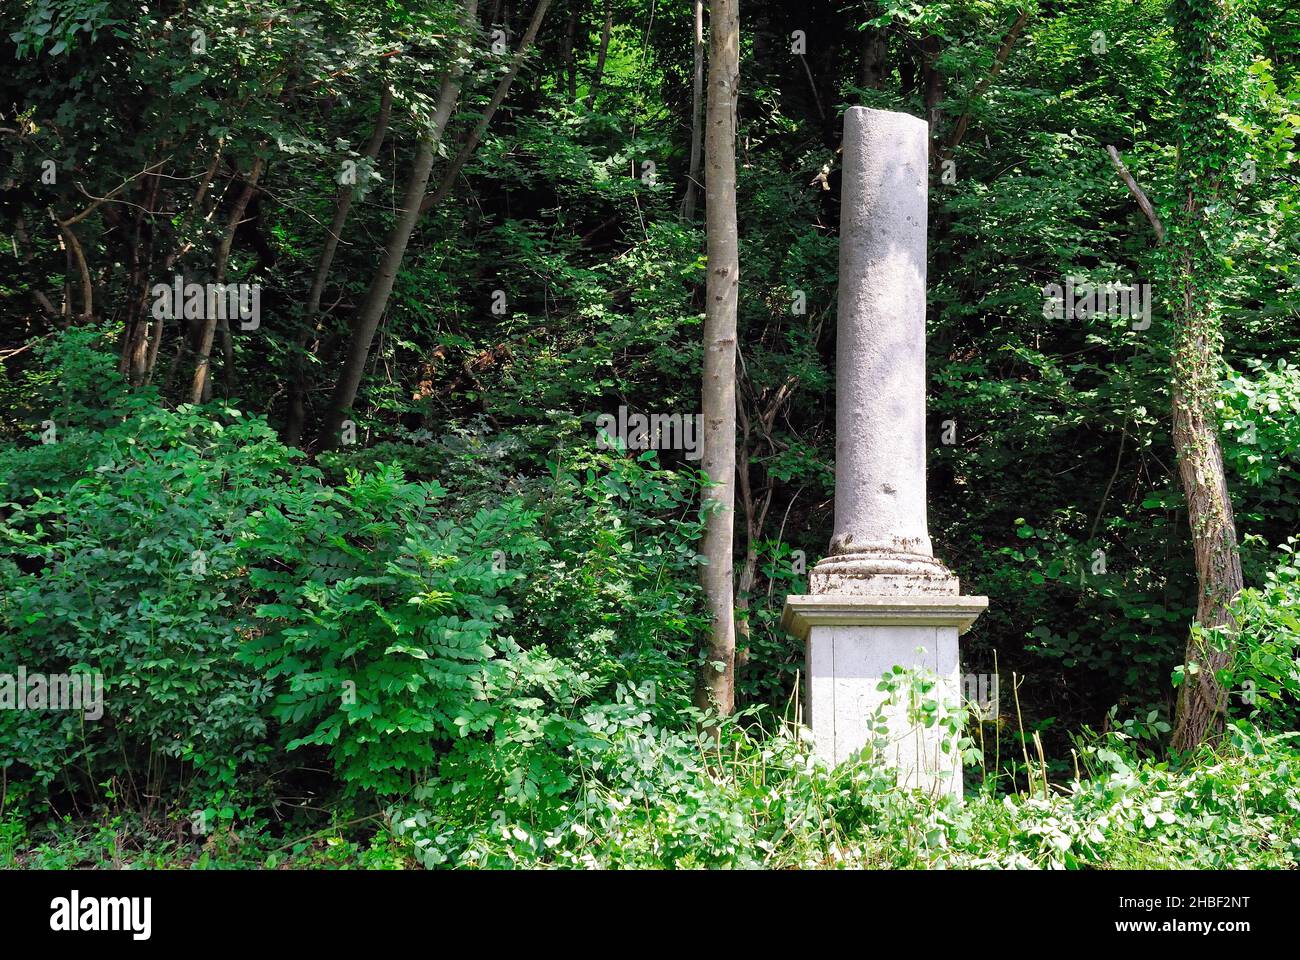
x,y
880,598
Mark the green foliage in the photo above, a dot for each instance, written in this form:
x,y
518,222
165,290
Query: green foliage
x,y
478,619
1266,676
189,558
130,568
388,622
651,799
382,619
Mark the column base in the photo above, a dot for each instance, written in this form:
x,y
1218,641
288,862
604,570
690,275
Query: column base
x,y
882,572
853,642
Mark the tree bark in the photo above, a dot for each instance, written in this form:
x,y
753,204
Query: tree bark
x,y
182,247
1202,698
601,52
697,118
933,78
717,687
1213,43
199,382
568,74
342,207
77,259
136,325
999,61
1202,701
871,74
503,89
375,302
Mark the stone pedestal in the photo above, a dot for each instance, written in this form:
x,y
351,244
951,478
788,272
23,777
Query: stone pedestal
x,y
880,599
851,643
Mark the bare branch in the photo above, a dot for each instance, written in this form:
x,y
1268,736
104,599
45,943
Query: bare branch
x,y
1138,195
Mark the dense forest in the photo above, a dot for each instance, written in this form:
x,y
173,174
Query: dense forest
x,y
328,326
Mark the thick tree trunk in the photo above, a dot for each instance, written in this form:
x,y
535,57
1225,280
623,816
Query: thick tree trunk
x,y
375,302
1213,43
311,327
503,89
717,687
697,118
1202,699
871,73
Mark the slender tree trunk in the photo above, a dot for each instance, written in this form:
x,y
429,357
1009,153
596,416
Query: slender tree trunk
x,y
135,347
503,89
182,247
717,687
381,286
77,261
567,72
601,52
207,333
999,61
931,47
311,327
697,118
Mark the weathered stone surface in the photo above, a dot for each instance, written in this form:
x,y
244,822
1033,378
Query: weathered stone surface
x,y
880,599
851,642
880,506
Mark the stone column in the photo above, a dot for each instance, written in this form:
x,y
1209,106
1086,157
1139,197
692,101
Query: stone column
x,y
880,593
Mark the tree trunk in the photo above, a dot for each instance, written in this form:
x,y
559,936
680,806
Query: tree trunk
x,y
717,686
933,78
601,52
568,75
697,118
342,207
503,89
1213,45
199,382
182,247
1202,699
135,345
381,286
999,61
871,74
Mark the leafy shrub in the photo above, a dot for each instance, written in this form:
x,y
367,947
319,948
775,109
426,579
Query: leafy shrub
x,y
1267,671
387,623
130,568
